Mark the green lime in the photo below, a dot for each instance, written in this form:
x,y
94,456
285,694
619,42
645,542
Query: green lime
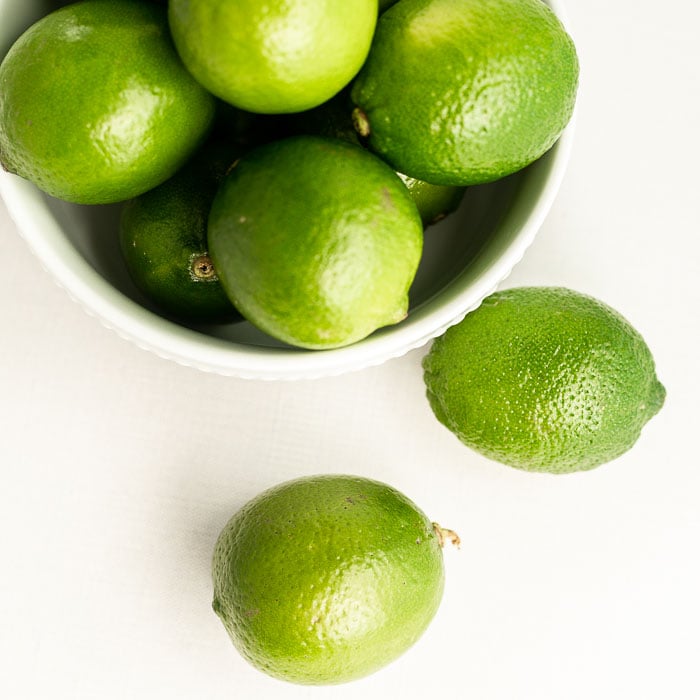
x,y
334,118
434,202
316,241
276,56
460,92
163,238
95,104
544,379
326,579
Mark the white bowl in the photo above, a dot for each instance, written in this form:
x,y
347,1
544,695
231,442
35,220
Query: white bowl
x,y
466,256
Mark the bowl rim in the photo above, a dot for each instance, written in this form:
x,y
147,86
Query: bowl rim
x,y
189,347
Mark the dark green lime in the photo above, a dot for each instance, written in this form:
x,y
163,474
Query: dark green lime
x,y
163,240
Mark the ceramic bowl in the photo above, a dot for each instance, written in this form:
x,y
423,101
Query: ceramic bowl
x,y
466,256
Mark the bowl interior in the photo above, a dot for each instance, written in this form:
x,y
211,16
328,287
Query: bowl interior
x,y
465,256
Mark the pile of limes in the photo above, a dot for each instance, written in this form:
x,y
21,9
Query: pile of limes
x,y
281,158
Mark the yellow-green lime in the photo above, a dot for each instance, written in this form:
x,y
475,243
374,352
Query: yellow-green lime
x,y
460,92
95,104
316,241
326,579
544,379
273,56
163,239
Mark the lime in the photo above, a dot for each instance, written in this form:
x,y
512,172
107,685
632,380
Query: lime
x,y
316,241
325,579
163,239
274,56
95,104
434,202
460,92
544,379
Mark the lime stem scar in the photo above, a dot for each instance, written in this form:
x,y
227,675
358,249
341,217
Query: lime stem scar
x,y
446,535
203,267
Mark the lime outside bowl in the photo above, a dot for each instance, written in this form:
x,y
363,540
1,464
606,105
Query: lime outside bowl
x,y
466,256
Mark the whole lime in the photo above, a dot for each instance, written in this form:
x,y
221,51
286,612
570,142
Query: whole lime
x,y
163,237
326,579
316,241
95,104
460,92
544,379
275,56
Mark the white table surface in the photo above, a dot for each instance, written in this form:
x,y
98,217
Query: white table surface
x,y
120,468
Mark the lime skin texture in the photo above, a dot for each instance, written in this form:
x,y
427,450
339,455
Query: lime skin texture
x,y
462,92
273,56
316,241
163,239
326,579
95,104
544,379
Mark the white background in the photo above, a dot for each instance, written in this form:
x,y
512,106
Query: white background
x,y
119,468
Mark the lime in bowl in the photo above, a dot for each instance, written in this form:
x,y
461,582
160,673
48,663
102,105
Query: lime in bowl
x,y
465,257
